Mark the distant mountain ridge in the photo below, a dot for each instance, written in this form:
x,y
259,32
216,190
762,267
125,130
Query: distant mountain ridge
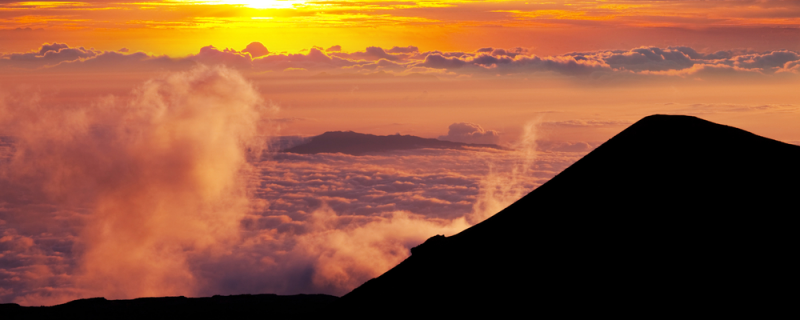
x,y
353,143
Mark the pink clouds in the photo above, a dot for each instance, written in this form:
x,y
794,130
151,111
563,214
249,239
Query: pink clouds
x,y
159,175
256,49
678,61
471,133
161,192
210,55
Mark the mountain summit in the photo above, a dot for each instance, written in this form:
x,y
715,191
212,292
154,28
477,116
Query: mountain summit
x,y
674,216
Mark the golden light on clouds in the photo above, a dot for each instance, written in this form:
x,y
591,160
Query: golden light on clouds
x,y
258,4
130,130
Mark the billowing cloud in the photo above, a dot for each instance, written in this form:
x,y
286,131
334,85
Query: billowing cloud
x,y
408,49
47,55
158,175
679,61
256,49
161,192
212,56
314,60
470,133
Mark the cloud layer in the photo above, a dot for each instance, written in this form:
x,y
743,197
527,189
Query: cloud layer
x,y
167,192
158,178
675,62
470,133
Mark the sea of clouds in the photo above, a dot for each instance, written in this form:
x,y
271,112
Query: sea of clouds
x,y
173,190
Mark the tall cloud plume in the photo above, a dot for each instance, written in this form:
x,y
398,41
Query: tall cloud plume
x,y
160,174
505,184
162,193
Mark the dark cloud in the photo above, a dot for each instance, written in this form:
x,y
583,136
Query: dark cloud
x,y
47,55
438,61
117,61
408,49
770,61
678,61
650,59
314,60
212,56
470,133
370,54
256,49
52,47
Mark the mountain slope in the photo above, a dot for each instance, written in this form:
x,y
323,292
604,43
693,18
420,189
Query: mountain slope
x,y
673,216
353,143
256,306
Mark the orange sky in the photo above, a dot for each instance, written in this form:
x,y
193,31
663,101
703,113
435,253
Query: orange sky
x,y
129,131
551,27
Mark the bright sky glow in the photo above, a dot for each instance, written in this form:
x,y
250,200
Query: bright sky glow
x,y
125,125
259,4
174,26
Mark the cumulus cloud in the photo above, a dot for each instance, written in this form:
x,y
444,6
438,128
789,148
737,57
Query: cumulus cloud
x,y
438,61
650,59
210,55
408,49
313,60
372,54
256,49
771,61
161,192
160,176
47,55
470,133
678,61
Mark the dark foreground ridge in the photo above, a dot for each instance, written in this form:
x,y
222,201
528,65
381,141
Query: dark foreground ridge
x,y
256,306
675,216
353,143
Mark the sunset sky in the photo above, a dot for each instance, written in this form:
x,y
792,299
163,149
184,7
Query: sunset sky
x,y
138,139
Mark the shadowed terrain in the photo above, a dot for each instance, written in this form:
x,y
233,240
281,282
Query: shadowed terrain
x,y
257,306
674,216
353,143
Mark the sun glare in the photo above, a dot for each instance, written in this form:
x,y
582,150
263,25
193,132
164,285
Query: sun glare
x,y
262,4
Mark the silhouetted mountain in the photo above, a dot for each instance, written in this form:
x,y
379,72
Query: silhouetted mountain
x,y
675,216
353,143
257,306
